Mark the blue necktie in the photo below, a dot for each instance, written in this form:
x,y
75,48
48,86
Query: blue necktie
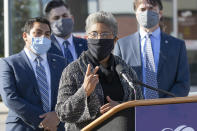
x,y
43,84
67,53
150,70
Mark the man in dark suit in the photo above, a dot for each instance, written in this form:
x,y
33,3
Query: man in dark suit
x,y
63,42
159,60
29,81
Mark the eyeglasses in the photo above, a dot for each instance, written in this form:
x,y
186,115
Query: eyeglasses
x,y
102,35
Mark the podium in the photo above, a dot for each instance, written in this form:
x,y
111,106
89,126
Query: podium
x,y
165,114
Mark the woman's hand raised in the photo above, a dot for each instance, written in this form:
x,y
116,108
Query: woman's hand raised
x,y
91,80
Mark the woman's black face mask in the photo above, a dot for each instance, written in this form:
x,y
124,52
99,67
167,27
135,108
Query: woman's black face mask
x,y
100,48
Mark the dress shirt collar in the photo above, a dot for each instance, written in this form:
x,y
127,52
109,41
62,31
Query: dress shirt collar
x,y
33,56
155,34
61,40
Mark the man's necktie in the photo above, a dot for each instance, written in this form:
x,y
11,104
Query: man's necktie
x,y
150,70
67,53
43,84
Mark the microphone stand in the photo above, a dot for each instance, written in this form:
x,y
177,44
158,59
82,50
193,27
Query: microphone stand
x,y
130,83
136,82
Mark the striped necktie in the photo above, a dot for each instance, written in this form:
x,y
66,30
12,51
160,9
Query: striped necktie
x,y
150,70
67,53
43,84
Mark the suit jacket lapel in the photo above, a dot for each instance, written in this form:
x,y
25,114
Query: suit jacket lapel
x,y
77,46
29,71
55,46
52,67
137,54
163,55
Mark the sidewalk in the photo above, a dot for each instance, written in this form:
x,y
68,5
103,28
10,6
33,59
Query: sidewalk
x,y
3,115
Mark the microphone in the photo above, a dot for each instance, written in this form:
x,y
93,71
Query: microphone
x,y
121,71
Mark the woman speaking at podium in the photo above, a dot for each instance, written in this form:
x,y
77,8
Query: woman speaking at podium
x,y
91,86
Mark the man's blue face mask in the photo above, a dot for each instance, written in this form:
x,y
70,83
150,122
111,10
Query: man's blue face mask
x,y
40,45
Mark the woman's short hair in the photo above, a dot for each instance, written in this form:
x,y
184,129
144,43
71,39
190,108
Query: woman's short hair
x,y
102,17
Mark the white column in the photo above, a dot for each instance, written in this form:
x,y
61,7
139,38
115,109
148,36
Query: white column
x,y
7,28
175,18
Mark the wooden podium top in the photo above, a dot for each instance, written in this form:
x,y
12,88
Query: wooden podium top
x,y
135,103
